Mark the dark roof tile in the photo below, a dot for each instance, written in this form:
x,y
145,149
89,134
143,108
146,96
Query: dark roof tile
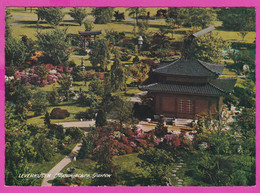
x,y
226,85
189,67
86,33
199,89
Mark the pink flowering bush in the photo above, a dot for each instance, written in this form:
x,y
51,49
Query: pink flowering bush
x,y
41,75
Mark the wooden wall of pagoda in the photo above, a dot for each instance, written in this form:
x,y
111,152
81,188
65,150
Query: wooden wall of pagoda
x,y
186,106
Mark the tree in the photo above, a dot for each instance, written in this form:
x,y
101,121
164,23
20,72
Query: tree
x,y
47,119
105,165
119,16
75,133
140,72
88,144
229,155
18,149
30,46
22,96
114,37
8,30
192,17
100,54
85,76
39,102
102,15
242,34
89,25
101,118
246,94
78,14
238,18
45,147
53,15
117,74
171,25
143,26
157,163
123,111
53,97
15,52
246,126
56,46
65,82
96,86
136,12
241,59
208,48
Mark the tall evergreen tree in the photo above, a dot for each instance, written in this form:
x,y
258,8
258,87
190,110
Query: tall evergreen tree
x,y
135,12
100,54
53,15
101,118
117,74
208,48
7,26
192,16
78,14
56,46
102,15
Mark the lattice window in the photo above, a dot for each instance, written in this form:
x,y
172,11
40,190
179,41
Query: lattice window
x,y
189,106
181,106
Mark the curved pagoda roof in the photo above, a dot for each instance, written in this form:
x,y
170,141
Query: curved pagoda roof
x,y
217,87
89,33
189,67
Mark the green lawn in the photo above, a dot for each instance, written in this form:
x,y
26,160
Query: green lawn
x,y
72,108
233,36
129,171
29,28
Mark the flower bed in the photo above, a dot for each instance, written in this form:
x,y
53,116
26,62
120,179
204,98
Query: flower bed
x,y
129,140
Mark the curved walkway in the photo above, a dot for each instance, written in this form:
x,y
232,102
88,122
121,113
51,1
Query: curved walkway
x,y
49,177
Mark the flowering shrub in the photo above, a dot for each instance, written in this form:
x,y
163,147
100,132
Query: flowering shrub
x,y
129,140
40,75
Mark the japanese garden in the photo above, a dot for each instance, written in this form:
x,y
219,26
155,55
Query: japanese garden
x,y
137,96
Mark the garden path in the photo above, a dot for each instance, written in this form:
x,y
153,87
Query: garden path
x,y
47,181
81,124
175,172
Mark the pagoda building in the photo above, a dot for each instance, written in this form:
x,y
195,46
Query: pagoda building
x,y
183,88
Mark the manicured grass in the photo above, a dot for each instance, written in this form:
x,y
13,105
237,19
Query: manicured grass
x,y
130,174
30,28
233,36
129,171
46,166
72,108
